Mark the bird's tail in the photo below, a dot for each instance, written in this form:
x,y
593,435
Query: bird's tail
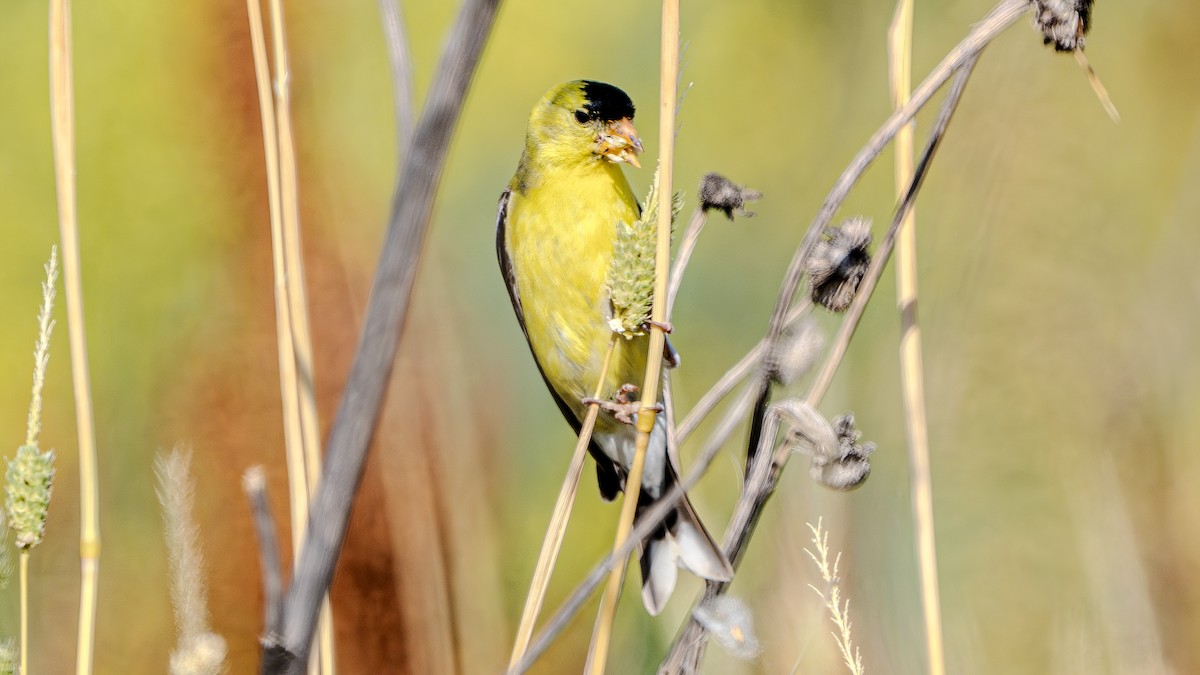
x,y
680,541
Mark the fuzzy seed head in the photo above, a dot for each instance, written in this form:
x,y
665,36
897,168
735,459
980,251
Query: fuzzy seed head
x,y
8,656
1063,23
202,654
838,262
29,481
796,352
849,467
631,276
729,620
720,193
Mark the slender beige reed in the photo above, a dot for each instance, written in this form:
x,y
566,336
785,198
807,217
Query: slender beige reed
x,y
668,85
62,129
912,379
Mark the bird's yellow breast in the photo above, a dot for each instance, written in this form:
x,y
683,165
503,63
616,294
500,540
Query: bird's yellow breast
x,y
559,236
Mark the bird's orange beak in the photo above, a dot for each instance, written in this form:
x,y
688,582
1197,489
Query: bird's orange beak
x,y
619,142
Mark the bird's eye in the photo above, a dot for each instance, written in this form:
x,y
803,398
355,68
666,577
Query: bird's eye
x,y
582,117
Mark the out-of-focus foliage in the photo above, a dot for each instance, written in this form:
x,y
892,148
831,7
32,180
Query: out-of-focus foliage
x,y
1058,304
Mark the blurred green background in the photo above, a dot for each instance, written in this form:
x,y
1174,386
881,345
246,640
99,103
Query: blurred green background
x,y
1059,315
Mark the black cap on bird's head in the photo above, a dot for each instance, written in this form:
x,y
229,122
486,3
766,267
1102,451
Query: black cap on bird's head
x,y
605,102
598,109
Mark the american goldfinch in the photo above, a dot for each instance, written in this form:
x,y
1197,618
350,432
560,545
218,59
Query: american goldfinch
x,y
554,237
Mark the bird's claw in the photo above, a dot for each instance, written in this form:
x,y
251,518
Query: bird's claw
x,y
624,405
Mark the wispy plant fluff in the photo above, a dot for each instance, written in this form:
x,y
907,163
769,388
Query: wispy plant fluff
x,y
839,609
41,351
731,623
796,352
199,651
631,278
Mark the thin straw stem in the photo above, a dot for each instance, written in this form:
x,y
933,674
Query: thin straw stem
x,y
24,584
62,112
556,530
387,311
912,381
668,90
297,330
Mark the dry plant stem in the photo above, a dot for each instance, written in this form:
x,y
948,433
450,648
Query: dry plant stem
x,y
733,376
650,519
400,62
255,486
556,530
667,92
765,471
358,413
297,486
911,370
24,583
884,249
1000,18
62,113
294,292
686,246
304,471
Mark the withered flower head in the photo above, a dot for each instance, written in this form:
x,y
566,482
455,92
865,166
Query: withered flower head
x,y
1063,23
720,193
850,467
837,459
837,264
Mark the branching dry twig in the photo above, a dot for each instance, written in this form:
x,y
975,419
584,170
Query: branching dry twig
x,y
764,476
400,62
996,22
254,483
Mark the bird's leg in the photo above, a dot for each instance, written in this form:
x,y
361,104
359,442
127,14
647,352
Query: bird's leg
x,y
624,405
665,326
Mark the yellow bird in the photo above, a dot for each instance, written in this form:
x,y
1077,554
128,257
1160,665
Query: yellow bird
x,y
554,237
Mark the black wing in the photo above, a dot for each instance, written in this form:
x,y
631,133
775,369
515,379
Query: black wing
x,y
608,474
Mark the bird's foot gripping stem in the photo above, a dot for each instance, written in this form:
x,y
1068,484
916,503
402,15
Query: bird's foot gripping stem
x,y
624,405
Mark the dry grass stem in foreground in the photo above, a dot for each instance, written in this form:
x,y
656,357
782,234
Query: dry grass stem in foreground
x,y
831,596
62,130
912,379
667,100
557,529
387,310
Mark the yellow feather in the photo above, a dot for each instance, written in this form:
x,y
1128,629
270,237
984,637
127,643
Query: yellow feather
x,y
565,204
